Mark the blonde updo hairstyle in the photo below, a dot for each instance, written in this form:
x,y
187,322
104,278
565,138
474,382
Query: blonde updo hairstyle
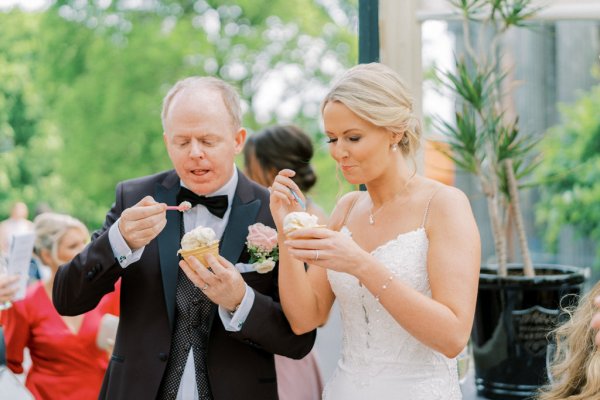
x,y
376,94
50,228
576,366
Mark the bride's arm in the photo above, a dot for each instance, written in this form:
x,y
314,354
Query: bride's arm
x,y
306,295
442,322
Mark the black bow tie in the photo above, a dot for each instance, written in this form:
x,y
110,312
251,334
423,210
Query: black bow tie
x,y
216,205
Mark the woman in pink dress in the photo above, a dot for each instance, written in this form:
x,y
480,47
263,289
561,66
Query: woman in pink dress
x,y
65,360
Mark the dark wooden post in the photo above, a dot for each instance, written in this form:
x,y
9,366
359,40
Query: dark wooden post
x,y
368,34
368,31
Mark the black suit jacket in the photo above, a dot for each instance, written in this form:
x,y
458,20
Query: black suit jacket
x,y
240,364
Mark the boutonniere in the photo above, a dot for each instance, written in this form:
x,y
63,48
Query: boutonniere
x,y
262,246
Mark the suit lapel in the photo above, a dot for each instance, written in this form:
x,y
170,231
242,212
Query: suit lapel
x,y
243,214
168,243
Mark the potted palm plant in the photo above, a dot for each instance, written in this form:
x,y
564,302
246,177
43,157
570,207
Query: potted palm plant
x,y
518,303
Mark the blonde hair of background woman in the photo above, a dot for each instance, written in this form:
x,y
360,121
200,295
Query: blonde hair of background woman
x,y
576,366
376,94
50,229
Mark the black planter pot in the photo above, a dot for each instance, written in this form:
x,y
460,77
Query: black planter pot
x,y
512,320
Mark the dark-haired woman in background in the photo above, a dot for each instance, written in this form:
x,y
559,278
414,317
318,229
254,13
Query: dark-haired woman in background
x,y
278,147
265,154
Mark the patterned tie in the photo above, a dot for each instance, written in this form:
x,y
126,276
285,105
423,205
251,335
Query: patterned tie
x,y
193,311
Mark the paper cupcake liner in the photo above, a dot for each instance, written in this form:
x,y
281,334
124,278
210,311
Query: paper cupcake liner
x,y
201,252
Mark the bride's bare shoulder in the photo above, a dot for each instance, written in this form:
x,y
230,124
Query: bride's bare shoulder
x,y
342,208
448,206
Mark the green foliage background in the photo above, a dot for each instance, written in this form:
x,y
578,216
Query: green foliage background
x,y
571,172
81,87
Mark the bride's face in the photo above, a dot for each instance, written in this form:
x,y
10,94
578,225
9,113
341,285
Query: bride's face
x,y
361,149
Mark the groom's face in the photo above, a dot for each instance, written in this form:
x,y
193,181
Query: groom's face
x,y
201,140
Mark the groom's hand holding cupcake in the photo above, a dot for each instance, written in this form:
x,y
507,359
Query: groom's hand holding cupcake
x,y
213,274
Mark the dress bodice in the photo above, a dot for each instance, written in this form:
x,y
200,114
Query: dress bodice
x,y
375,346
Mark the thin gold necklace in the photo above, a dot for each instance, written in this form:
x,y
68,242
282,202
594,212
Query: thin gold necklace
x,y
373,214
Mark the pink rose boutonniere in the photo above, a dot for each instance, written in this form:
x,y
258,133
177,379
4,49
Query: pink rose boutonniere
x,y
262,246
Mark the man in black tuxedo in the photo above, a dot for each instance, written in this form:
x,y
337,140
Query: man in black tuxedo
x,y
185,331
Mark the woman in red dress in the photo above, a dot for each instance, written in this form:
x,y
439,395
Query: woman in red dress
x,y
65,360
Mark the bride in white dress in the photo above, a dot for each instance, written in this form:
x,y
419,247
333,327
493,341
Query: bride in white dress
x,y
402,258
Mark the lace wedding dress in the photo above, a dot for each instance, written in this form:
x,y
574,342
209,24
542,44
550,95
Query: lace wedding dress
x,y
380,360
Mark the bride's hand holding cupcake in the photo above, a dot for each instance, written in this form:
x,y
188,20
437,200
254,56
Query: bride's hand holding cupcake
x,y
311,243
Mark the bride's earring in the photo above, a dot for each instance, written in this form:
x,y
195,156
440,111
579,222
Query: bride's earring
x,y
395,147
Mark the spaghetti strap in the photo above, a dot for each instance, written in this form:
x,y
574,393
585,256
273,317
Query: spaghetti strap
x,y
349,210
427,208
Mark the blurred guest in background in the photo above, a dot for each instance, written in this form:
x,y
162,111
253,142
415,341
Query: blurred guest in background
x,y
16,224
575,368
7,287
65,361
265,154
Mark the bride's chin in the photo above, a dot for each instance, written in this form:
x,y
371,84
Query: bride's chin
x,y
353,180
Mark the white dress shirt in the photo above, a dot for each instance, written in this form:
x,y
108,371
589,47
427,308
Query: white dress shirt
x,y
197,216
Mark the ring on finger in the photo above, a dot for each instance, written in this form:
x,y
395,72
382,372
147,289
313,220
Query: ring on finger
x,y
203,288
316,255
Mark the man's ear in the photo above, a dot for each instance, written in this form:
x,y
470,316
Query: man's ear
x,y
240,139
